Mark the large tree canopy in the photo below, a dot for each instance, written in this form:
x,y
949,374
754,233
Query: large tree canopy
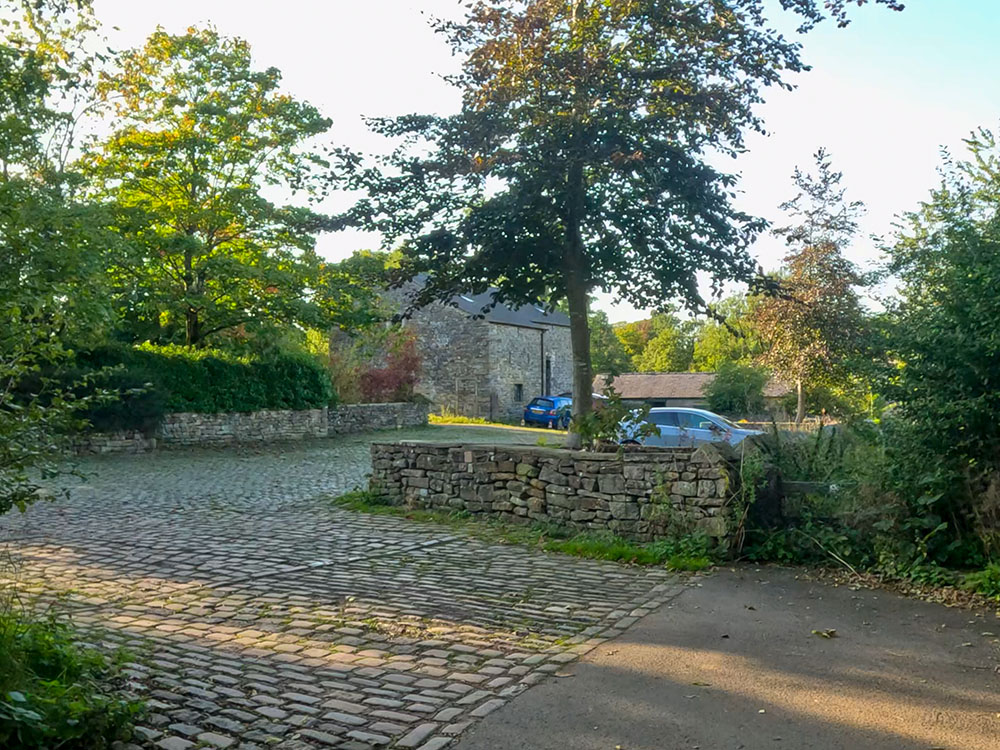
x,y
201,139
578,160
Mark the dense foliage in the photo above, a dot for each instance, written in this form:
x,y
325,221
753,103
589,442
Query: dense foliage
x,y
199,137
54,693
152,381
737,389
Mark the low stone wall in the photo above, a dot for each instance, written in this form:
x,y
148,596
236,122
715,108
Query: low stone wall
x,y
643,495
242,427
194,429
350,418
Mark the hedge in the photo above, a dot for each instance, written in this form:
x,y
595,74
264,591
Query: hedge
x,y
154,381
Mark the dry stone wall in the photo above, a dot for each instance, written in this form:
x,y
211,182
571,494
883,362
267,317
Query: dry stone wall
x,y
645,494
273,425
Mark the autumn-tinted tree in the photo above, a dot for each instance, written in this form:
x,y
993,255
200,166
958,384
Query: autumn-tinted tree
x,y
669,347
200,139
809,331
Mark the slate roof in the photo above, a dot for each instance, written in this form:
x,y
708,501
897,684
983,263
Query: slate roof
x,y
525,316
663,385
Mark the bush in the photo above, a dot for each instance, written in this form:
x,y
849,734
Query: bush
x,y
53,693
737,389
153,381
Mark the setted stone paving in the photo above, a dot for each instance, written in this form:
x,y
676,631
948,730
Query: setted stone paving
x,y
259,615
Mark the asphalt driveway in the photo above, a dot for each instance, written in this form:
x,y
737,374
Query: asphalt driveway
x,y
733,662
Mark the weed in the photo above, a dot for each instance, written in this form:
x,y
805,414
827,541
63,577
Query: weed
x,y
985,581
56,693
688,552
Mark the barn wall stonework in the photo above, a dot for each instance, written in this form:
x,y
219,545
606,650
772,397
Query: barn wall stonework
x,y
455,366
472,367
515,359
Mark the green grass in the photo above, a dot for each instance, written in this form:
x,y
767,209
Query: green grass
x,y
690,553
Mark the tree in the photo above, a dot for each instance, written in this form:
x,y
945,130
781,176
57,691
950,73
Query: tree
x,y
578,160
201,138
809,331
944,334
731,339
668,350
737,389
607,353
51,244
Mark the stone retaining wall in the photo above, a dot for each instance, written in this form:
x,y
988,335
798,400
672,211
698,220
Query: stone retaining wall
x,y
264,426
273,425
642,494
350,418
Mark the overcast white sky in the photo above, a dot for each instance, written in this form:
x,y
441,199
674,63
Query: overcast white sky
x,y
883,96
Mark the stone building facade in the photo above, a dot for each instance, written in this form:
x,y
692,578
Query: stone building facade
x,y
478,361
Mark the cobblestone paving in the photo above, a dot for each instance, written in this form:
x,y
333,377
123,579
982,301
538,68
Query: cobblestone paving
x,y
261,616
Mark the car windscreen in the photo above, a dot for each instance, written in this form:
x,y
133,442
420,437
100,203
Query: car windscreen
x,y
542,402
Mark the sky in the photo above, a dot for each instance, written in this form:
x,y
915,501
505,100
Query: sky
x,y
883,96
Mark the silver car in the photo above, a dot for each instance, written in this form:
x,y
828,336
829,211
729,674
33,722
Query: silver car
x,y
683,427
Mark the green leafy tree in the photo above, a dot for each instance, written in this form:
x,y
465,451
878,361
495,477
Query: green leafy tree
x,y
607,353
201,138
737,389
944,340
578,160
670,348
51,244
817,325
731,339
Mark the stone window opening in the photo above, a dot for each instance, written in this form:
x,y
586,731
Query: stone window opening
x,y
518,392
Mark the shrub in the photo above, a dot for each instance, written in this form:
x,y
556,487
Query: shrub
x,y
54,693
152,381
396,379
737,389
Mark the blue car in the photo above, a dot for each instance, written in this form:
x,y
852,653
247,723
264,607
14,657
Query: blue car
x,y
549,411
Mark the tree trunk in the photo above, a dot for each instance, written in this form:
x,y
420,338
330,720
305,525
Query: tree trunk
x,y
800,409
579,331
192,327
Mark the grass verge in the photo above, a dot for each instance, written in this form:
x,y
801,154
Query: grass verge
x,y
690,553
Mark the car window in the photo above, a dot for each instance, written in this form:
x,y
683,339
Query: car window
x,y
543,402
689,421
663,418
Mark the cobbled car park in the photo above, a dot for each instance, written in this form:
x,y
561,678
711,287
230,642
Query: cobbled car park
x,y
257,614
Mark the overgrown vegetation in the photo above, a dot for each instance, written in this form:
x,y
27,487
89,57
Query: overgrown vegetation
x,y
737,389
855,510
691,552
55,693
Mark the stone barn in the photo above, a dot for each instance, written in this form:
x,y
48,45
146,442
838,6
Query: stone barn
x,y
490,364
